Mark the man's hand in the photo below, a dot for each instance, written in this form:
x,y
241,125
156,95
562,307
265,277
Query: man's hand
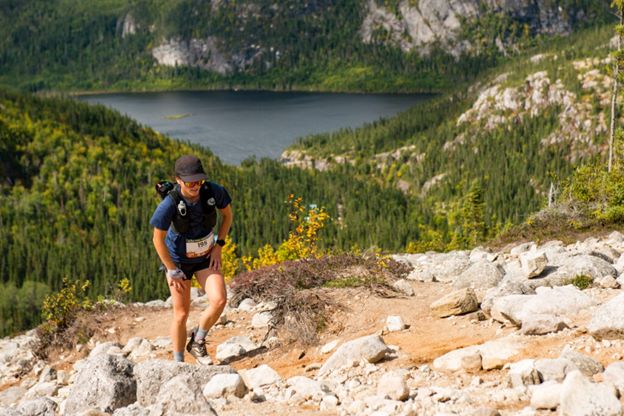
x,y
215,257
175,277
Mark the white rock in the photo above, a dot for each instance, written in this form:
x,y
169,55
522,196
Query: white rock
x,y
393,386
261,319
394,323
580,397
466,359
606,321
329,347
370,348
247,305
523,373
546,395
260,376
457,302
533,263
222,385
614,374
234,347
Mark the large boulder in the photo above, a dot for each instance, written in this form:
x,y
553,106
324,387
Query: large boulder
x,y
455,303
480,276
370,348
574,266
16,356
42,406
606,322
443,267
104,382
580,397
556,301
152,374
182,395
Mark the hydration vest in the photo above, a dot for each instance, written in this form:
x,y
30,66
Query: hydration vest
x,y
181,220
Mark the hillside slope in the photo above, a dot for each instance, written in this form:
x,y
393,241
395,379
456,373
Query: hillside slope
x,y
535,344
355,45
508,139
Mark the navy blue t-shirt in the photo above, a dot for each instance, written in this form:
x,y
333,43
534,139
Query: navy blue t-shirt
x,y
176,242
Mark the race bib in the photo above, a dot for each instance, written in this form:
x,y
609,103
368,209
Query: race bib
x,y
200,247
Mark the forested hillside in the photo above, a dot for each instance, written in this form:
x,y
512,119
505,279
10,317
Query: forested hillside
x,y
507,139
77,193
353,45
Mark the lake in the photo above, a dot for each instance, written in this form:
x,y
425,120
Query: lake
x,y
236,125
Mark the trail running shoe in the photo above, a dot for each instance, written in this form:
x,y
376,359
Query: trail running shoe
x,y
196,349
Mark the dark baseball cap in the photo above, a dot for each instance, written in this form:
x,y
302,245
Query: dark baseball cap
x,y
189,168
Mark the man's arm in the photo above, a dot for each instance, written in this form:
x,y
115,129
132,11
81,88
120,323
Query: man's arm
x,y
161,248
227,216
226,222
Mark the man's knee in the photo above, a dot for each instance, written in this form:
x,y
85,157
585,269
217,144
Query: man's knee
x,y
219,302
180,317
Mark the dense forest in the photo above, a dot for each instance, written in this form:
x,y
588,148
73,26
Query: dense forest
x,y
78,192
313,45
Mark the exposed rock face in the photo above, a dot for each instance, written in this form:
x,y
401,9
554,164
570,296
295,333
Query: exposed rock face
x,y
203,53
417,25
114,385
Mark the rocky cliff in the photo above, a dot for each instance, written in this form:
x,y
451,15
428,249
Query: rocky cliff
x,y
418,25
413,26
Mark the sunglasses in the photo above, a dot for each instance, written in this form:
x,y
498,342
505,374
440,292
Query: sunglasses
x,y
194,184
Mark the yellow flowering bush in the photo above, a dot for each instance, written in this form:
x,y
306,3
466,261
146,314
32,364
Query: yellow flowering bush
x,y
61,307
302,241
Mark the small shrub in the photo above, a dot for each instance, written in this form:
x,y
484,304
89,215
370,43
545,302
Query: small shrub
x,y
582,281
60,308
300,310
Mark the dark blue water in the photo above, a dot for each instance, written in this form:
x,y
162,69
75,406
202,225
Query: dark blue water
x,y
237,125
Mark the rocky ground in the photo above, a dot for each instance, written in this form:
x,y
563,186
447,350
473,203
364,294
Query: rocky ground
x,y
471,333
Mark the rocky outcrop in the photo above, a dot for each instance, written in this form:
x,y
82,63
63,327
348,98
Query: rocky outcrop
x,y
203,53
417,26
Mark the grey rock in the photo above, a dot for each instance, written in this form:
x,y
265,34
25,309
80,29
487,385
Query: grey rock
x,y
105,382
222,385
614,374
606,322
260,376
234,347
558,301
152,374
42,389
523,373
133,410
466,359
9,411
156,304
533,263
11,395
580,397
403,286
42,406
247,305
48,374
183,395
459,302
304,388
106,348
480,276
543,324
585,364
393,386
394,324
584,264
546,395
522,248
261,319
554,369
370,348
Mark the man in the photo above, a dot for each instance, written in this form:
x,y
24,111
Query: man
x,y
185,242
